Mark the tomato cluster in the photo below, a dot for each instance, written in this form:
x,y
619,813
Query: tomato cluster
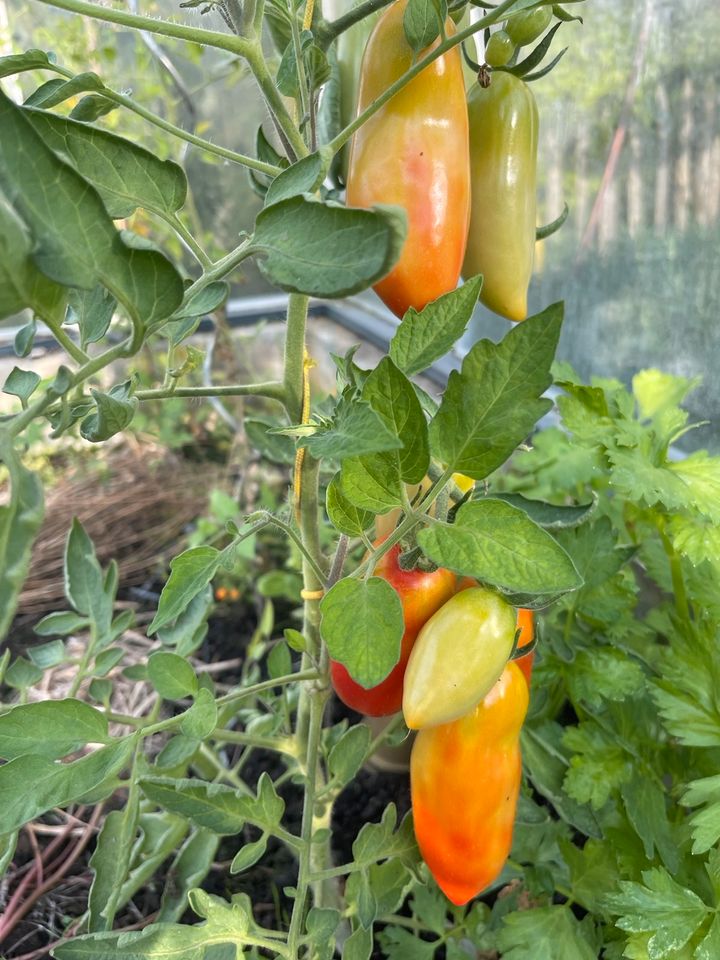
x,y
462,168
457,687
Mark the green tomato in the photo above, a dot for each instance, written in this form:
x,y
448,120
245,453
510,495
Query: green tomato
x,y
503,171
499,49
458,656
526,27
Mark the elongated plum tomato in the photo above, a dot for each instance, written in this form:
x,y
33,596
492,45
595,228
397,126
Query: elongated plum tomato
x,y
458,655
525,624
421,594
465,780
503,159
413,152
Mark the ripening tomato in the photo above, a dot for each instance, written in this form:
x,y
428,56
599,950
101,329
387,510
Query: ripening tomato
x,y
458,655
465,780
421,594
503,158
413,152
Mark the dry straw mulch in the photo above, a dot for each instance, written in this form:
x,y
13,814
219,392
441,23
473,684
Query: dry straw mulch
x,y
135,501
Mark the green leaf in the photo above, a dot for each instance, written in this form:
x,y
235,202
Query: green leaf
x,y
171,675
647,811
392,397
599,766
111,863
202,717
593,870
84,583
362,624
321,923
358,945
349,753
92,107
604,674
498,544
658,905
92,311
202,302
400,944
492,404
125,175
190,572
191,865
547,515
182,632
325,249
76,241
178,750
302,177
249,855
21,283
344,515
30,786
20,520
49,654
61,624
705,824
370,483
426,335
50,728
317,67
21,383
214,806
279,662
22,674
594,552
422,21
111,415
355,429
25,337
546,761
29,60
273,446
106,660
545,933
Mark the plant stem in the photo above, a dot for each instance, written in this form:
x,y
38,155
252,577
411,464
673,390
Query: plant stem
x,y
326,31
678,581
164,28
297,540
295,355
256,61
66,342
269,388
176,224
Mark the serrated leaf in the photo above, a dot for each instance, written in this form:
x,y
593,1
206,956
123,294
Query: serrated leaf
x,y
362,625
658,905
370,483
493,402
544,933
50,728
324,249
31,785
604,674
355,429
391,395
646,809
498,544
84,585
427,335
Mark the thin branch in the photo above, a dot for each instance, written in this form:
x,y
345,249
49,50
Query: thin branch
x,y
270,388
